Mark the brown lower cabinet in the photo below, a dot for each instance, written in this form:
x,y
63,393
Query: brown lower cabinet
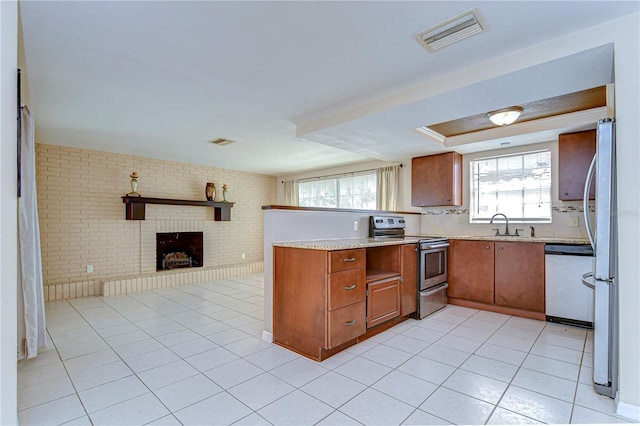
x,y
519,275
383,301
471,271
506,277
320,301
409,289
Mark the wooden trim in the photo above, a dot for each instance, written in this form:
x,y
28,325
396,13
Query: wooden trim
x,y
327,209
135,206
175,202
324,353
498,309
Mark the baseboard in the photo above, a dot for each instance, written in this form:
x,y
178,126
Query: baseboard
x,y
267,336
628,411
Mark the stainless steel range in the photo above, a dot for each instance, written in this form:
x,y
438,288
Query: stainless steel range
x,y
432,276
432,262
386,227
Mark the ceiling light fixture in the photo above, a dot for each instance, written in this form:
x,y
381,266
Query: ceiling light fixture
x,y
506,116
221,141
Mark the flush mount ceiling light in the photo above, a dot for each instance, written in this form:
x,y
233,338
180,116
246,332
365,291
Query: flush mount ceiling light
x,y
451,31
506,116
221,141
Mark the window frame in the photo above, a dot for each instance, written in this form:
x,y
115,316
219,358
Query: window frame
x,y
337,178
475,218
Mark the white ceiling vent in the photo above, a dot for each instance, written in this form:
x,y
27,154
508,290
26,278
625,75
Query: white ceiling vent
x,y
452,31
221,141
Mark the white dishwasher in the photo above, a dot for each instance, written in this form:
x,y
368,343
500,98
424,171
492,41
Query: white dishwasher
x,y
568,301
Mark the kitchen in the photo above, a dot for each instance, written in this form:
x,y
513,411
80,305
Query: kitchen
x,y
452,220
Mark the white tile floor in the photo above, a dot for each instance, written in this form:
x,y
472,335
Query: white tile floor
x,y
193,355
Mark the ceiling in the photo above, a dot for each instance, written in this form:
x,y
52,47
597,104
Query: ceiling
x,y
577,101
161,79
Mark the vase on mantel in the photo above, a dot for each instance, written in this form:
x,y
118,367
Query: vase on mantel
x,y
224,193
134,185
210,191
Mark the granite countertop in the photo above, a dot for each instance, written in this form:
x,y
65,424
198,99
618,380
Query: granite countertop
x,y
553,240
351,243
345,243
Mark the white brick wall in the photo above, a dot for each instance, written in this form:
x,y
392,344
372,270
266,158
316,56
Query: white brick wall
x,y
82,215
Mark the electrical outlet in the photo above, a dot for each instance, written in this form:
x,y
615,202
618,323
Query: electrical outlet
x,y
89,269
355,225
575,222
243,256
461,220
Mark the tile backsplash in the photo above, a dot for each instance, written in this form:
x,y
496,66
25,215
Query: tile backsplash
x,y
455,222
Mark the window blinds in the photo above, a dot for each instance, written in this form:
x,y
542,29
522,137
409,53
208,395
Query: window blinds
x,y
518,185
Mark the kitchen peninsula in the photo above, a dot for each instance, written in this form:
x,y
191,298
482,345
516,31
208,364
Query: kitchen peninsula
x,y
331,294
302,242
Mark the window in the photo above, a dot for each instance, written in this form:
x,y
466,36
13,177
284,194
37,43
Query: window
x,y
517,185
353,191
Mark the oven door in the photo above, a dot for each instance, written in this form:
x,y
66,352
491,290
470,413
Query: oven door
x,y
432,299
433,264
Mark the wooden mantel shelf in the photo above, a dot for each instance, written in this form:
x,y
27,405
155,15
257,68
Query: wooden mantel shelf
x,y
135,206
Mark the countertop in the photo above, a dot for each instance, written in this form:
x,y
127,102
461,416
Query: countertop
x,y
346,243
554,240
351,243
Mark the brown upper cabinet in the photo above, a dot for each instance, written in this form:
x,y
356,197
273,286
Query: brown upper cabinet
x,y
575,151
436,180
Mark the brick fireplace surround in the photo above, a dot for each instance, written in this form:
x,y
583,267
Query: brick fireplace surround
x,y
82,222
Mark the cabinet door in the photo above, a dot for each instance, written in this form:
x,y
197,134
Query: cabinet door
x,y
519,275
471,270
575,152
408,285
436,180
383,301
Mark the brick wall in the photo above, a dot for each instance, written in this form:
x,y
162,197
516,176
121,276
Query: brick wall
x,y
82,215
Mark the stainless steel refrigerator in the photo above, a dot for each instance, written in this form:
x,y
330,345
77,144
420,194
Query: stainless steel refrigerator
x,y
602,232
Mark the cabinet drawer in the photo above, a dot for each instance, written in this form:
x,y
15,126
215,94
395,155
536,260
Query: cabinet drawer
x,y
346,324
346,288
342,260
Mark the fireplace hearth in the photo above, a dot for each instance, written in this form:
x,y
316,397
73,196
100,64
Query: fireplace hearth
x,y
178,250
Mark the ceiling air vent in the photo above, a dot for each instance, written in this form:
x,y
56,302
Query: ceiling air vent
x,y
452,31
221,141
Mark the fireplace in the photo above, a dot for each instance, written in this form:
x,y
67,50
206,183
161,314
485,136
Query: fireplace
x,y
178,250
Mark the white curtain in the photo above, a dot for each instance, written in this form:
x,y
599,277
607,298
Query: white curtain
x,y
290,192
31,323
388,187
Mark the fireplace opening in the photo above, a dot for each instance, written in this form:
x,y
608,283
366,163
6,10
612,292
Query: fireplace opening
x,y
178,250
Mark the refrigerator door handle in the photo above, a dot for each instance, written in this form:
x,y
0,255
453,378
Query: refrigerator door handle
x,y
585,202
588,282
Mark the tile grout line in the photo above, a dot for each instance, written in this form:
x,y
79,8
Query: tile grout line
x,y
188,308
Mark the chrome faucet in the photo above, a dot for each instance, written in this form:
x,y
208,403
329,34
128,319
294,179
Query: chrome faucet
x,y
506,227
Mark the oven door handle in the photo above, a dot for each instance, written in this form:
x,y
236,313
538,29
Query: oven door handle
x,y
437,246
435,290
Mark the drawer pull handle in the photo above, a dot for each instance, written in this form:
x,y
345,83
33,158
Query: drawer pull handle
x,y
348,323
349,259
351,287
